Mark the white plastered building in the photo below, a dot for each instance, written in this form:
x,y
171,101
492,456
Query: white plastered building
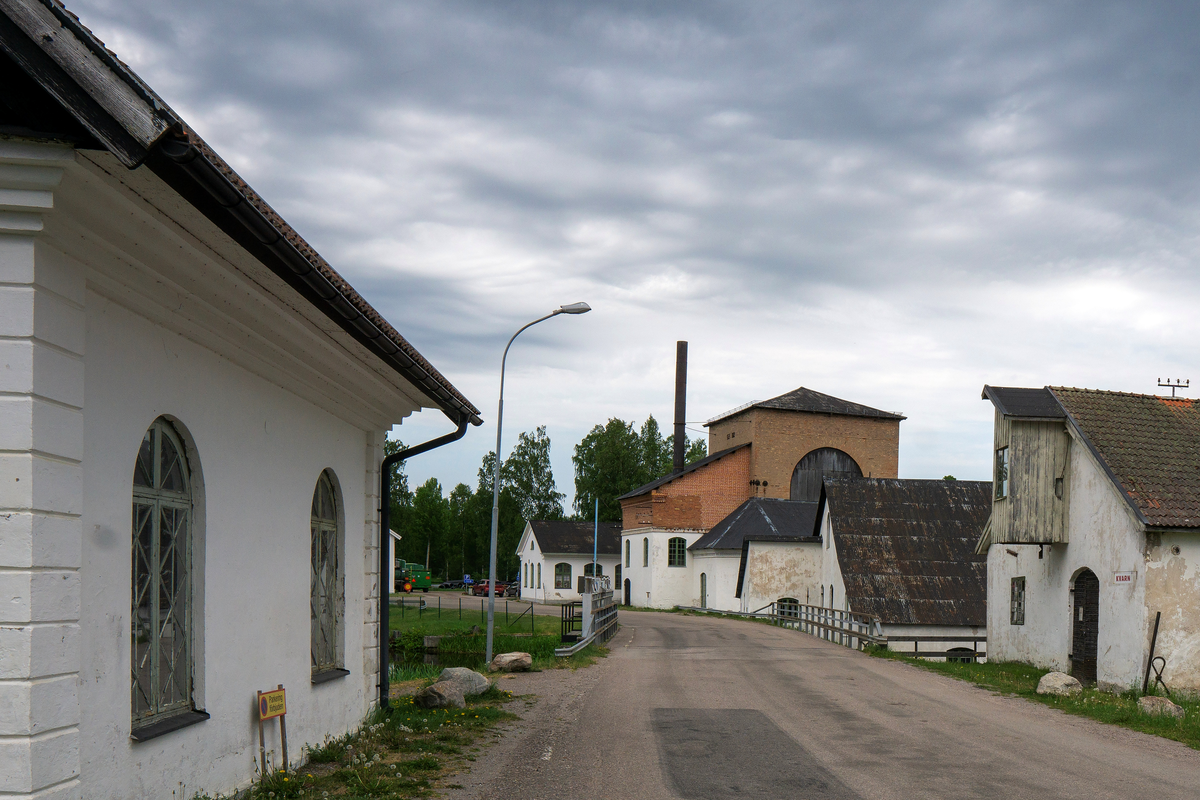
x,y
193,406
1093,534
556,554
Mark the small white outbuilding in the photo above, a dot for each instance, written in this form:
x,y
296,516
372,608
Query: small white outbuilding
x,y
556,555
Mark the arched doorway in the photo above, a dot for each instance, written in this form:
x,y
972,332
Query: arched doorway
x,y
703,590
1086,626
817,465
627,592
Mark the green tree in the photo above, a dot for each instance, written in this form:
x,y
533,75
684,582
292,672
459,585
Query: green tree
x,y
527,474
696,450
608,463
401,497
657,451
425,535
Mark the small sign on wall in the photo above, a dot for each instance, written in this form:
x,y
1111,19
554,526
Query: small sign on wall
x,y
1124,578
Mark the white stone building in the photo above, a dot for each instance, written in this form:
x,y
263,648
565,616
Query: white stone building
x,y
1093,533
193,406
557,554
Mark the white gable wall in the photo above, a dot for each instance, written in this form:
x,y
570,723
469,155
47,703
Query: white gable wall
x,y
775,570
720,568
1105,538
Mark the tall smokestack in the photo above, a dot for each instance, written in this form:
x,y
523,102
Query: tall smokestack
x,y
680,403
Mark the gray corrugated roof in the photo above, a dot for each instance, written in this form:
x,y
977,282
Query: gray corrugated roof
x,y
563,536
695,465
1023,403
760,518
907,548
802,399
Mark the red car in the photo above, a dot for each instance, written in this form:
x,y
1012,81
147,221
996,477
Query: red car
x,y
481,589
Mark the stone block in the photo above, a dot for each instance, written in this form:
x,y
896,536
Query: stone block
x,y
39,706
32,650
59,322
1059,684
1159,706
60,273
33,763
36,482
442,694
16,310
39,596
17,259
511,662
29,539
468,681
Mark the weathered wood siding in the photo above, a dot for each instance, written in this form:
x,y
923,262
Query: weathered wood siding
x,y
1037,456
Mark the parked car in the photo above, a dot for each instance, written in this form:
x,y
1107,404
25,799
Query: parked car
x,y
512,590
480,589
450,585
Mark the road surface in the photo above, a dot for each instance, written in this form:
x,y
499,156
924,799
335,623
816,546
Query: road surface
x,y
708,709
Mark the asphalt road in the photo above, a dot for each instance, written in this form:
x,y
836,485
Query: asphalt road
x,y
697,708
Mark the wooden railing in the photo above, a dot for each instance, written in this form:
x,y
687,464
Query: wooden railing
x,y
847,628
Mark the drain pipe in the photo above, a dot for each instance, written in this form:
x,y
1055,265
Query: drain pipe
x,y
385,542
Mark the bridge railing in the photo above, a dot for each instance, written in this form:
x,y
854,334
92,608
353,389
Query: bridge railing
x,y
847,628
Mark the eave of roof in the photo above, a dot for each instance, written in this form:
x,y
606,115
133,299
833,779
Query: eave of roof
x,y
131,121
812,402
695,465
1026,404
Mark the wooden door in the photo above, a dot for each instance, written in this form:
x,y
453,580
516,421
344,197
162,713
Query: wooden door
x,y
1086,625
817,465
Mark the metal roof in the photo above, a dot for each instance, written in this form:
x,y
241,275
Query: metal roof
x,y
802,399
124,115
761,519
1148,445
1027,404
563,536
906,548
692,467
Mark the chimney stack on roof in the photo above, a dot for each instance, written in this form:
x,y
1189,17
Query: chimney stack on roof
x,y
680,403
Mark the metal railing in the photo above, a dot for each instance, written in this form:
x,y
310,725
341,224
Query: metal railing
x,y
957,653
847,628
594,617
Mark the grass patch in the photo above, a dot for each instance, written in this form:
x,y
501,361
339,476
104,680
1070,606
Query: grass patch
x,y
450,620
403,753
1021,680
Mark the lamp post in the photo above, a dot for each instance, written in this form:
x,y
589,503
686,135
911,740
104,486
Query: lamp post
x,y
571,308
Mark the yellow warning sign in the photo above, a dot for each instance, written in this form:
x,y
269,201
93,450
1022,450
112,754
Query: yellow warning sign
x,y
271,704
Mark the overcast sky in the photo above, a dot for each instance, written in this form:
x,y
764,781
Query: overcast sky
x,y
889,202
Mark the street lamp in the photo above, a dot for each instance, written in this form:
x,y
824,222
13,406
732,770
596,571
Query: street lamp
x,y
570,308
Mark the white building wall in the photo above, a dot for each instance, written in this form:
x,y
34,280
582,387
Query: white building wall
x,y
831,592
1105,538
42,348
720,568
258,452
1173,587
782,569
658,585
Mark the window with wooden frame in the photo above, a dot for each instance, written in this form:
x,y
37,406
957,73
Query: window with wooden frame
x,y
677,552
627,554
1016,608
562,575
327,580
539,576
162,619
646,552
1001,473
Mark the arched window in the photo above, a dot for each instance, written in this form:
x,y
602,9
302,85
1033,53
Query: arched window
x,y
703,590
327,585
626,553
825,462
831,605
677,552
562,576
617,581
161,617
539,576
787,607
588,567
646,552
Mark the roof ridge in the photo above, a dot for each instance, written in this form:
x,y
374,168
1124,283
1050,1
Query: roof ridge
x,y
1114,393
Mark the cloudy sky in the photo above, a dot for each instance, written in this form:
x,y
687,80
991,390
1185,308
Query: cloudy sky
x,y
890,202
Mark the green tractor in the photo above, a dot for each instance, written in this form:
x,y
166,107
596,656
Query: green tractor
x,y
411,576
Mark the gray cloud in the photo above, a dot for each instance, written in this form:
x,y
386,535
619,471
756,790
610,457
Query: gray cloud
x,y
892,202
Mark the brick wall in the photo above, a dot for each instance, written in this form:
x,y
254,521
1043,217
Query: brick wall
x,y
781,438
697,500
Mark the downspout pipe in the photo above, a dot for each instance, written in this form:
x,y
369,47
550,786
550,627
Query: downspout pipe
x,y
385,543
